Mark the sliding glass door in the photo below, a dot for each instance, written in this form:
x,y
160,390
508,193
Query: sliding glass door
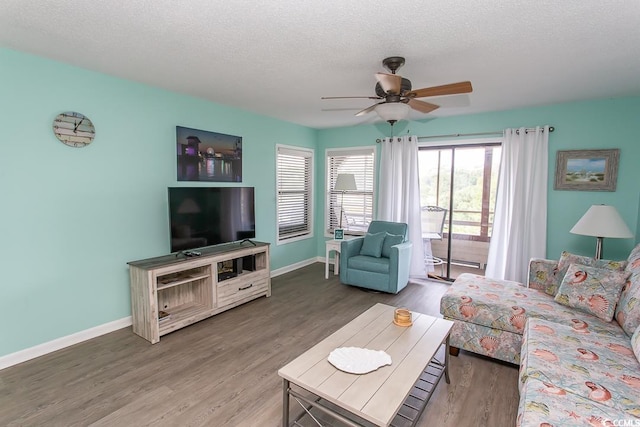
x,y
458,183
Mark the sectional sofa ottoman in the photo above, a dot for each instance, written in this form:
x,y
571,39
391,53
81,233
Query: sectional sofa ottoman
x,y
572,330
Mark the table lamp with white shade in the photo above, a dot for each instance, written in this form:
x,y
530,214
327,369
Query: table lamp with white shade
x,y
602,221
344,182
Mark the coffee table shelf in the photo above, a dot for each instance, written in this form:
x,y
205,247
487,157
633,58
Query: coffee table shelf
x,y
415,404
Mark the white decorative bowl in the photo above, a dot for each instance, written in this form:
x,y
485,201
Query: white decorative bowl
x,y
357,360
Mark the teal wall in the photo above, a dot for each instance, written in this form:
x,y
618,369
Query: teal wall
x,y
71,218
638,224
607,123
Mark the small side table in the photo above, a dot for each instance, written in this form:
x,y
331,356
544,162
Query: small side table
x,y
332,245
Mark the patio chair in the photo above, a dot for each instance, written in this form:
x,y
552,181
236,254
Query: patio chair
x,y
432,229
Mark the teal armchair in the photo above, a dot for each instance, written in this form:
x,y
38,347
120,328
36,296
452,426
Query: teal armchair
x,y
378,261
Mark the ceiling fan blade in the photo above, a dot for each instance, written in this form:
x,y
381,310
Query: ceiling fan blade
x,y
350,97
450,89
390,83
368,109
423,107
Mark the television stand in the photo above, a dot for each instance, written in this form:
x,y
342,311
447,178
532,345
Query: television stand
x,y
169,292
248,240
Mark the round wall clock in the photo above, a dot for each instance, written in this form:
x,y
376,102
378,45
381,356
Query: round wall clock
x,y
74,129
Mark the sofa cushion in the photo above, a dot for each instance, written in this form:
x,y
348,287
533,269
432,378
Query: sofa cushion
x,y
567,258
593,290
505,305
543,404
633,262
610,264
372,244
369,263
389,241
598,367
495,343
628,309
542,275
635,343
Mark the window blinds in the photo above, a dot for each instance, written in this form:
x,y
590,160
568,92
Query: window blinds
x,y
357,208
294,175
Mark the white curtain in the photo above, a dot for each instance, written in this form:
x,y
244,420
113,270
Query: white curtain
x,y
399,195
520,222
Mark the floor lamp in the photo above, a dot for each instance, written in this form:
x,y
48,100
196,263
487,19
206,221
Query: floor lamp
x,y
602,221
344,182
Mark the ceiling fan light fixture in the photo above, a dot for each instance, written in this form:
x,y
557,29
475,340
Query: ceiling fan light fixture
x,y
393,111
395,97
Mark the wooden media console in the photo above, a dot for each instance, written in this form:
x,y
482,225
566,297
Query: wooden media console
x,y
171,292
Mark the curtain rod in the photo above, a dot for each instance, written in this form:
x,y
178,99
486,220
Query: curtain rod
x,y
456,135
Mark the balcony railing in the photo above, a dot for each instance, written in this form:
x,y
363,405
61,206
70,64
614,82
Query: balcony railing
x,y
467,248
484,230
359,222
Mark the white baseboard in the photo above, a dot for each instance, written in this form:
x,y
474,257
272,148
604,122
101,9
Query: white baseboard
x,y
293,267
78,337
60,343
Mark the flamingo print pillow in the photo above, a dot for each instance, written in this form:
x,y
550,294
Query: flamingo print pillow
x,y
593,290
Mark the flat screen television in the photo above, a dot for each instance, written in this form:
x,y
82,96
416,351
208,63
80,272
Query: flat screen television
x,y
205,216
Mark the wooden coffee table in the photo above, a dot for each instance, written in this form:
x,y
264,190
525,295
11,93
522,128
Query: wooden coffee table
x,y
378,396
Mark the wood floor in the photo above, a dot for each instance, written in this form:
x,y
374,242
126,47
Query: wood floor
x,y
223,370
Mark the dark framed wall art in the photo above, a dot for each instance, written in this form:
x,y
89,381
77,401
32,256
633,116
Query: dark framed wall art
x,y
208,156
587,170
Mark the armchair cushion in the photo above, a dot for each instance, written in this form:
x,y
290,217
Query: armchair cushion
x,y
368,263
372,244
398,228
389,241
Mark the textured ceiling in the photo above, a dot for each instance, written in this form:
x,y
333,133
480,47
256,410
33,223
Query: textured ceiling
x,y
278,57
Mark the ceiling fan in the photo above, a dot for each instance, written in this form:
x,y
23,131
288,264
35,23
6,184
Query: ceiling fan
x,y
398,96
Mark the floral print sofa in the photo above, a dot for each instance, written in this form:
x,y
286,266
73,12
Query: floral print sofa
x,y
578,350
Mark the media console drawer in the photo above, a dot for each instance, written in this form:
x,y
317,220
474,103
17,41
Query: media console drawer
x,y
235,291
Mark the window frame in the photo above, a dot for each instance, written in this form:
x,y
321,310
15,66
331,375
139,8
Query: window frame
x,y
305,153
341,152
